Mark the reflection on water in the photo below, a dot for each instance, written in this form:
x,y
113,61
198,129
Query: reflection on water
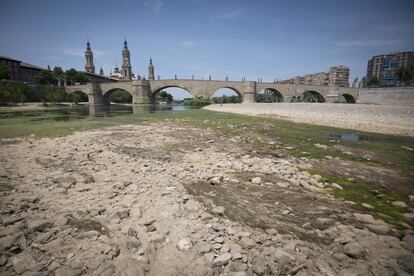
x,y
69,113
371,137
114,110
349,137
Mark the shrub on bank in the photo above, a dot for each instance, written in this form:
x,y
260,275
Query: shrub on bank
x,y
197,102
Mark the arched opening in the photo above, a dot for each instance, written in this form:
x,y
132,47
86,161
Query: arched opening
x,y
269,95
171,95
348,98
77,97
226,95
118,96
313,97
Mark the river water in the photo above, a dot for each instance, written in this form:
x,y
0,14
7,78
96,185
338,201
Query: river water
x,y
66,113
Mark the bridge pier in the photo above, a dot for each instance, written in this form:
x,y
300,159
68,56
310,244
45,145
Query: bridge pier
x,y
249,93
95,96
141,92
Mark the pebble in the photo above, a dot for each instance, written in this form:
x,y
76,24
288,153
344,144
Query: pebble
x,y
222,259
219,210
399,204
256,180
354,250
366,205
184,244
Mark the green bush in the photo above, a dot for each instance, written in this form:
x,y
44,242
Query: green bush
x,y
197,102
227,99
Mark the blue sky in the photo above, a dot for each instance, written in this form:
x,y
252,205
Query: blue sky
x,y
256,39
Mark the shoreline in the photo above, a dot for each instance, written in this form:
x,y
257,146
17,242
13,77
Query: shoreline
x,y
382,119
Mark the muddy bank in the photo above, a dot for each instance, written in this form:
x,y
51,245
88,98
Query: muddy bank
x,y
174,199
385,119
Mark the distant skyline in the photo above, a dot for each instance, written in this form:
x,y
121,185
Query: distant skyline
x,y
252,39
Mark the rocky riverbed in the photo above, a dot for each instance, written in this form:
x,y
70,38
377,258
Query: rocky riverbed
x,y
173,199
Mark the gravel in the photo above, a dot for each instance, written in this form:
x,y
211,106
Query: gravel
x,y
385,119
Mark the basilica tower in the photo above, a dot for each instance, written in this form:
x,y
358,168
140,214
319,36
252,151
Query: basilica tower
x,y
89,67
150,70
126,70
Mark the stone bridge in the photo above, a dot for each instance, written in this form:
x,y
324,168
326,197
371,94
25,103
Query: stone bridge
x,y
143,91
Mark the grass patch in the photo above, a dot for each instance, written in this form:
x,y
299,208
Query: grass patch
x,y
378,197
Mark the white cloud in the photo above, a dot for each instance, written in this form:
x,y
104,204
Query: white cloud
x,y
74,52
188,43
229,15
154,5
365,43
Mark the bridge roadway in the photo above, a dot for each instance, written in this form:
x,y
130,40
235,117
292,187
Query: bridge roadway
x,y
143,91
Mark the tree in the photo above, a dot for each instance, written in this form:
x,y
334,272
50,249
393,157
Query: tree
x,y
404,75
52,93
72,76
58,71
4,72
164,96
373,81
44,77
11,92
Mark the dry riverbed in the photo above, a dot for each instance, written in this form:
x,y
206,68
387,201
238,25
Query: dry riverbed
x,y
170,198
385,119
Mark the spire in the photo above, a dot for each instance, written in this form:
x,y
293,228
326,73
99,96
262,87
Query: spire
x,y
89,67
150,70
101,72
125,44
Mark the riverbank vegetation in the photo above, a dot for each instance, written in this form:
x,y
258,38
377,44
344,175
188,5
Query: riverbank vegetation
x,y
46,87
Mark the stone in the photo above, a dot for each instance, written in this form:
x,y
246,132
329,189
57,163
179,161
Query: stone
x,y
282,184
380,229
399,204
409,216
67,271
215,180
366,205
337,186
88,179
132,232
411,198
39,225
247,243
256,180
222,260
11,220
184,244
204,248
237,267
365,218
218,226
237,256
219,239
354,250
323,223
3,260
219,210
151,228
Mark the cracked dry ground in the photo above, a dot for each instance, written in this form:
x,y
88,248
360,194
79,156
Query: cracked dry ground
x,y
172,199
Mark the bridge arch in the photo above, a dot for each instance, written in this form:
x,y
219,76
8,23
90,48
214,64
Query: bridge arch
x,y
77,96
123,95
269,95
156,90
312,96
349,98
225,89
